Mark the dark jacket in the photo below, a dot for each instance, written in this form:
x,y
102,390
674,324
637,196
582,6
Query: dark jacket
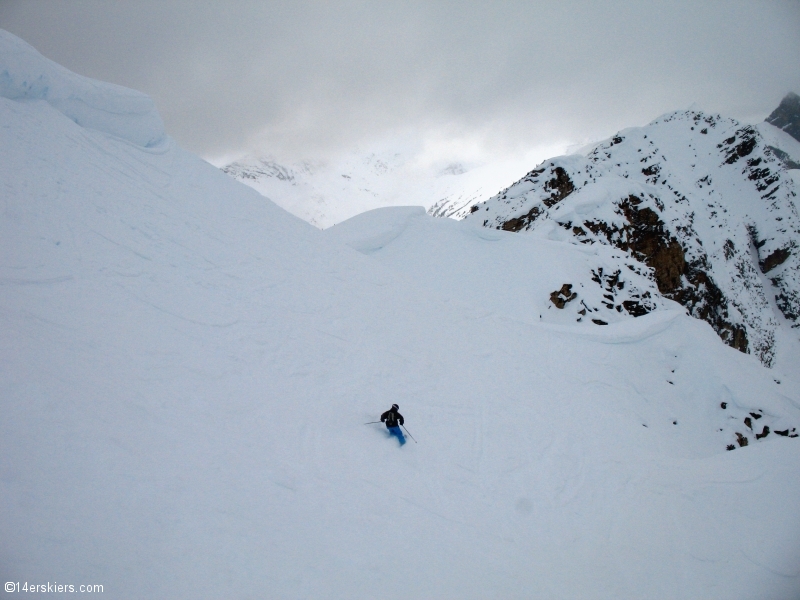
x,y
392,418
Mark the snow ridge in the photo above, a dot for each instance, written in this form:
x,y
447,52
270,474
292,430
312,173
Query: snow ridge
x,y
27,75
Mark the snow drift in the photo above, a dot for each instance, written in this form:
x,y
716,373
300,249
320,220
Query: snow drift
x,y
186,370
27,75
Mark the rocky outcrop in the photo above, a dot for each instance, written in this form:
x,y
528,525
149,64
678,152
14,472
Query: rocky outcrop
x,y
787,115
646,236
562,296
559,187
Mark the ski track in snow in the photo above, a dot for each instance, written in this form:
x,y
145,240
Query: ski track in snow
x,y
186,370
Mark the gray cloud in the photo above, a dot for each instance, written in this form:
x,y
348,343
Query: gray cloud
x,y
306,77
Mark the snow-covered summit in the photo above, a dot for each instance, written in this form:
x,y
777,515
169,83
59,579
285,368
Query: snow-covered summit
x,y
27,75
698,203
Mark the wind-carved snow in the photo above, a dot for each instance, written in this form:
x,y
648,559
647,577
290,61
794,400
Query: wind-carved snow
x,y
699,205
27,75
186,370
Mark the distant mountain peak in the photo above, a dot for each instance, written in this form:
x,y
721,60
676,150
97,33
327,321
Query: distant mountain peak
x,y
787,115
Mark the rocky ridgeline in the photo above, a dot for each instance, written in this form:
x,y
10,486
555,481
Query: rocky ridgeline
x,y
257,169
701,209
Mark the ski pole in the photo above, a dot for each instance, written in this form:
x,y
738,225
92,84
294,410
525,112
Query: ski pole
x,y
409,435
369,423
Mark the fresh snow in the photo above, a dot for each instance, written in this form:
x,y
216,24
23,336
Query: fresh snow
x,y
186,370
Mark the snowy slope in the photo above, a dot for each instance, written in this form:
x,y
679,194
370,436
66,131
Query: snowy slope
x,y
698,203
327,192
185,370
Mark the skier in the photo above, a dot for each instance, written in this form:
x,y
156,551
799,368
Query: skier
x,y
392,418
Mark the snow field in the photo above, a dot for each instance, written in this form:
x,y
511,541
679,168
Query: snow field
x,y
186,370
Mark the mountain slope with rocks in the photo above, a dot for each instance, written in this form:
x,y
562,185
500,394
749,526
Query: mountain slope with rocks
x,y
697,204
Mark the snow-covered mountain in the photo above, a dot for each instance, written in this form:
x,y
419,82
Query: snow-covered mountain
x,y
186,371
787,116
326,192
699,210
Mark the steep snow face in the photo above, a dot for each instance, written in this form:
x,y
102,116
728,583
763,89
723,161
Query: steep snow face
x,y
783,146
27,75
697,203
186,371
328,192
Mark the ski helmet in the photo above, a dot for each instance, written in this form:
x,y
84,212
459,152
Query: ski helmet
x,y
394,406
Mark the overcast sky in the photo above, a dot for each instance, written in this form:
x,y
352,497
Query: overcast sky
x,y
306,78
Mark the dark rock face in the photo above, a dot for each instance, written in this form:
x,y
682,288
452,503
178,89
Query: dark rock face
x,y
741,144
773,260
787,115
648,240
523,221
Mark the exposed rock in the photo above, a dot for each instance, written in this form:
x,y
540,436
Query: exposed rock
x,y
648,240
741,439
748,422
523,221
561,185
764,433
562,296
773,260
635,308
741,144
